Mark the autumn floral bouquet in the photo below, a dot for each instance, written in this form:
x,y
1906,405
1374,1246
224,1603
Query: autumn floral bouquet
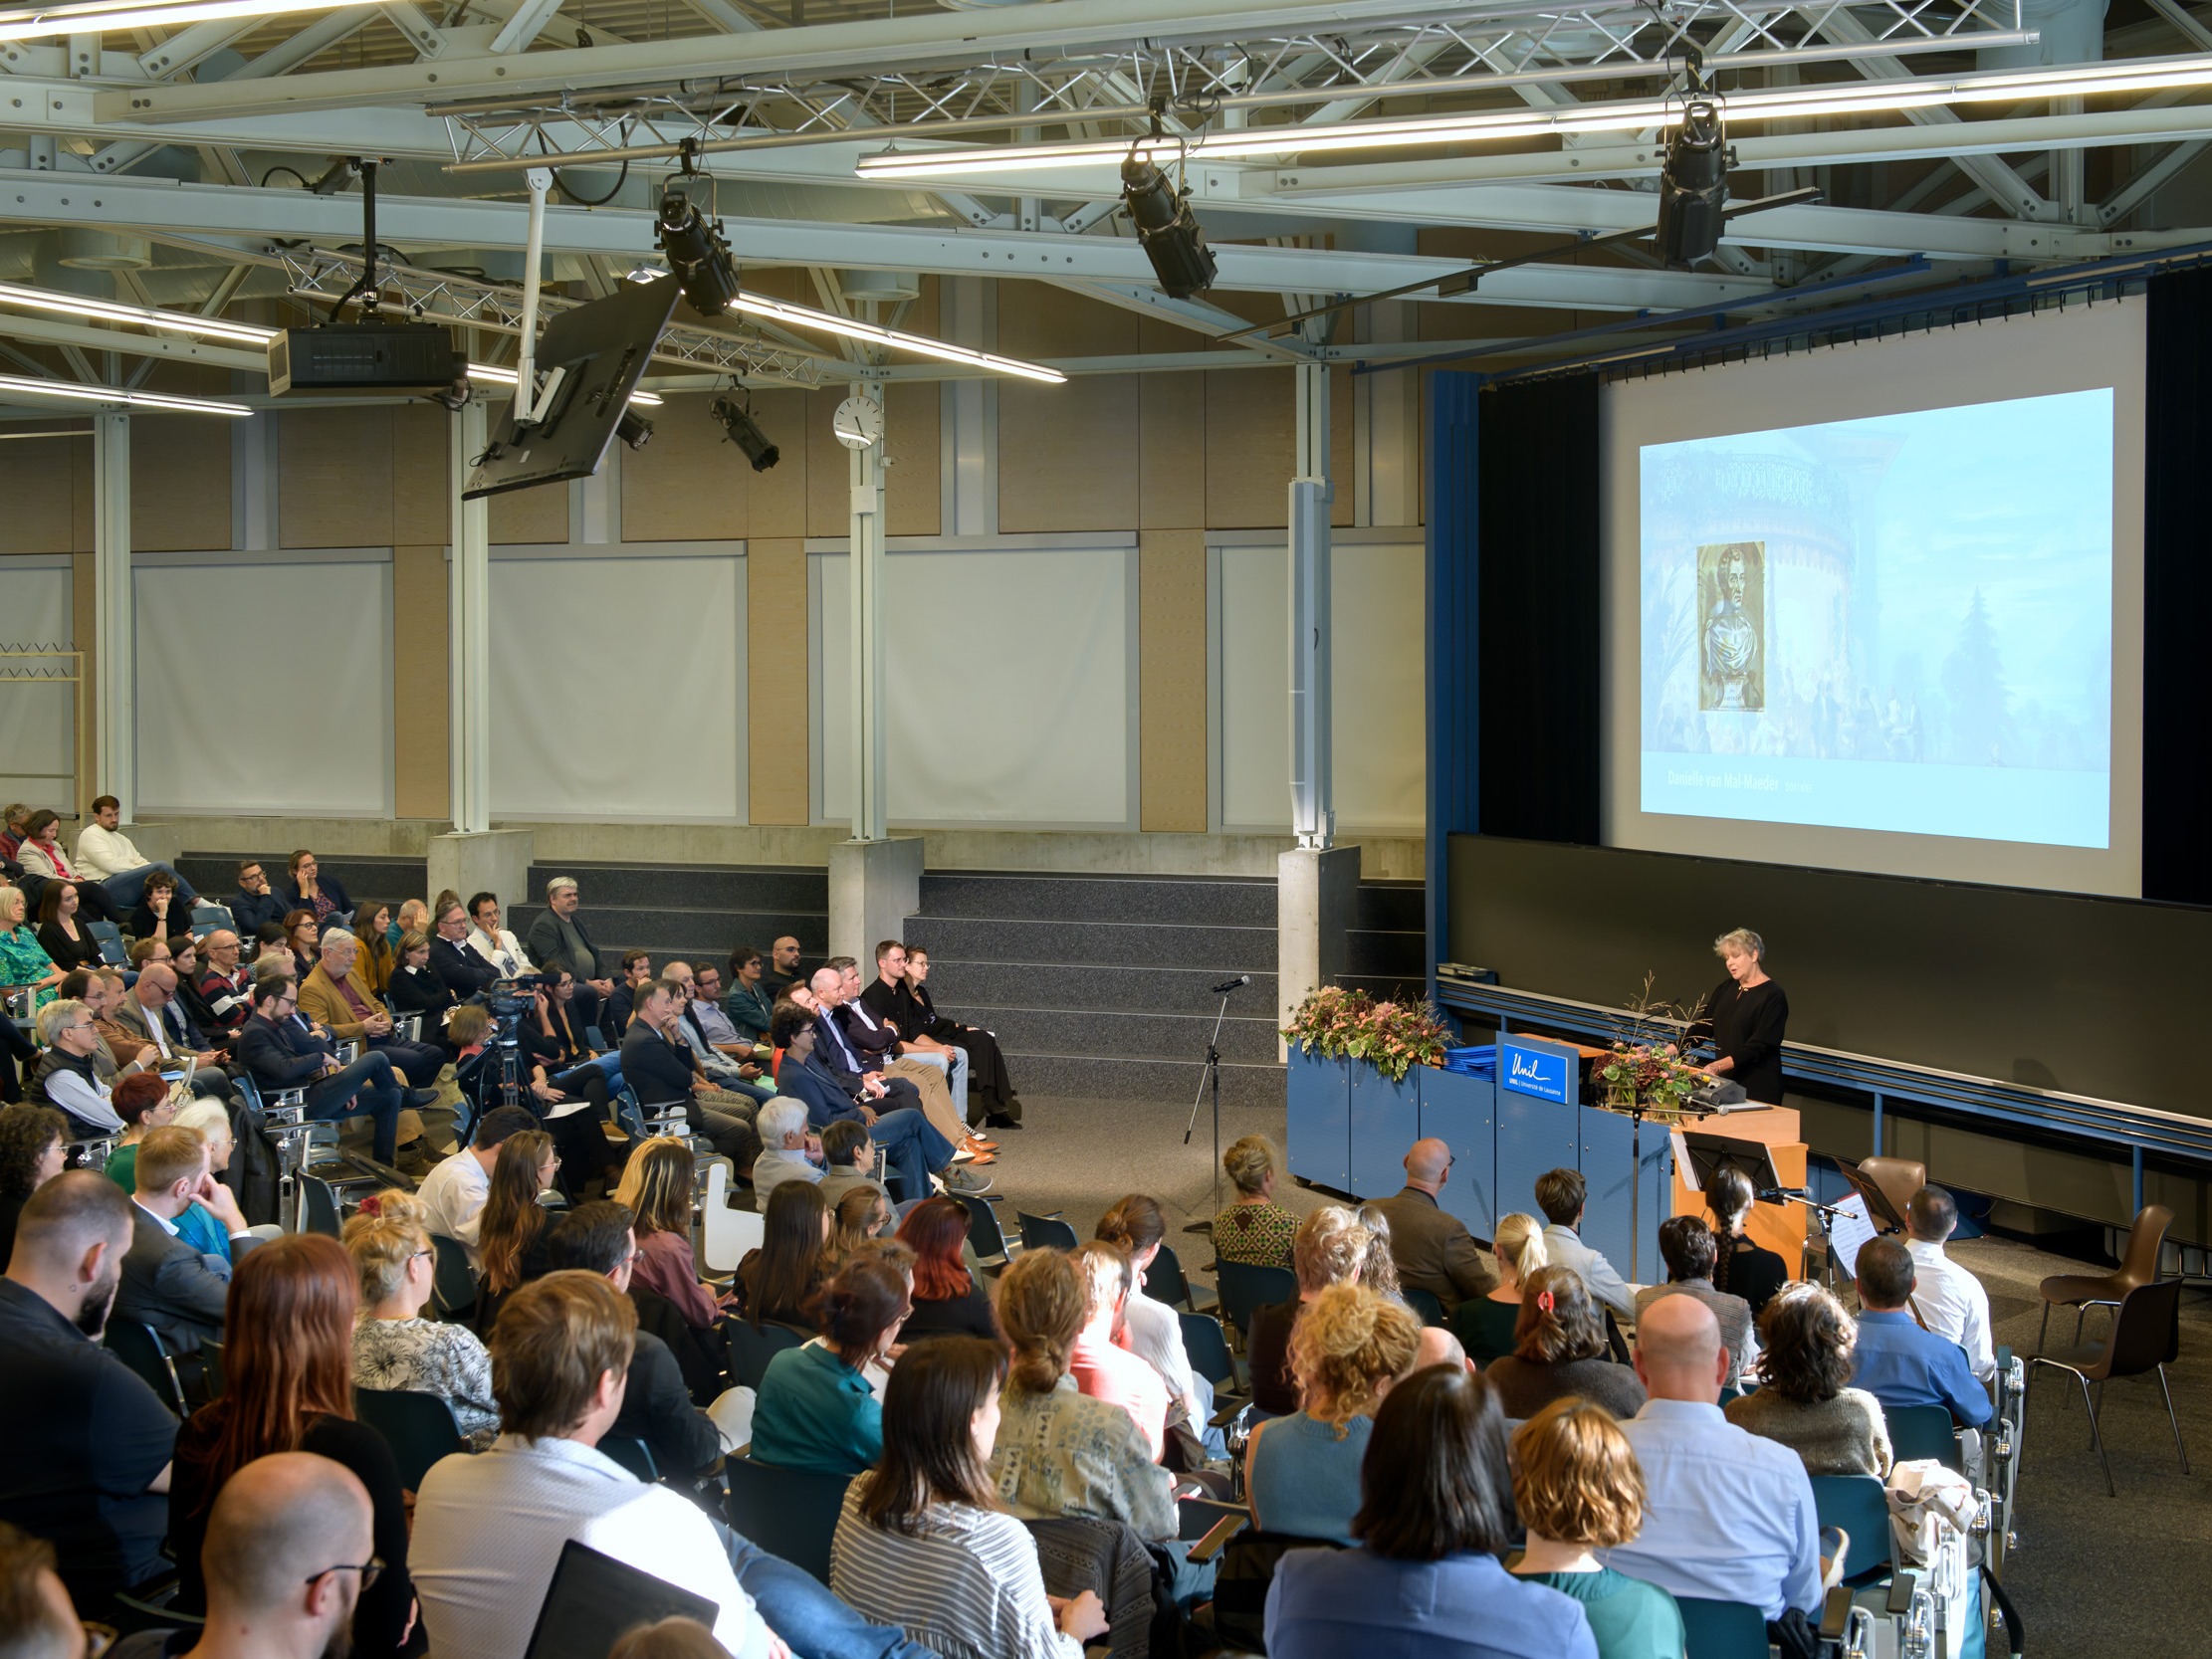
x,y
1646,1068
1392,1037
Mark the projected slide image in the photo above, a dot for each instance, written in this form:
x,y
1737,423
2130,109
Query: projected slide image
x,y
1902,623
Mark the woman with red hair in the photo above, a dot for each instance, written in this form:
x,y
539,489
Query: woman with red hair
x,y
288,1363
946,1298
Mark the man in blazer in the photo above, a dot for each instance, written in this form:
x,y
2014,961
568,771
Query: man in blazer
x,y
465,972
281,1053
1433,1250
148,1010
337,998
166,1284
558,935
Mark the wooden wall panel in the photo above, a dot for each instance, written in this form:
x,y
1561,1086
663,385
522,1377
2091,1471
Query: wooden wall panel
x,y
914,482
829,469
335,485
180,497
777,677
774,500
1172,712
1069,456
1250,448
420,593
39,483
537,515
422,464
681,487
1171,476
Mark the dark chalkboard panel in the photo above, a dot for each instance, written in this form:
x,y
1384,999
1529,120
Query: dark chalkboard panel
x,y
2096,996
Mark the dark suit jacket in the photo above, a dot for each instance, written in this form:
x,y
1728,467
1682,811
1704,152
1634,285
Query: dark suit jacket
x,y
545,947
251,910
333,889
178,1029
818,1089
657,1409
282,1055
463,970
166,1284
1435,1251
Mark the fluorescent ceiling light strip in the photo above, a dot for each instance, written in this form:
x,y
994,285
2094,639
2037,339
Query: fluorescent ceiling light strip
x,y
2082,80
145,316
114,15
805,317
76,393
507,377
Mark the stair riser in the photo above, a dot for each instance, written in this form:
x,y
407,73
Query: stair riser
x,y
688,933
1124,1036
1244,904
1135,990
1232,949
800,892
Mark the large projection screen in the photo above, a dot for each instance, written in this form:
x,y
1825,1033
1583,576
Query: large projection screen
x,y
1880,607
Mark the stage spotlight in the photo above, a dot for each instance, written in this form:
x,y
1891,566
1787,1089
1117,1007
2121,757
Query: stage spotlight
x,y
1693,187
698,255
1167,229
634,429
743,430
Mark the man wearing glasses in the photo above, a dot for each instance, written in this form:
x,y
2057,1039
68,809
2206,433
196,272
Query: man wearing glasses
x,y
254,903
288,1558
281,1053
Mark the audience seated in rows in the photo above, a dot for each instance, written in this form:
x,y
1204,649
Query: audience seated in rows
x,y
494,942
1328,1249
394,1347
1436,1517
1378,1266
454,1194
787,1149
168,1284
922,1539
905,968
511,1229
859,1221
304,938
938,1071
42,858
949,1300
1728,1516
226,985
1302,1471
34,1148
66,1076
23,960
256,903
372,927
163,913
1897,1362
107,856
1578,1490
309,889
1562,1195
281,1053
558,934
1102,1370
145,1103
287,1365
1254,1229
1741,1268
1486,1324
1559,1348
577,1124
913,1148
338,996
417,989
93,1478
1805,1343
1689,1250
1432,1248
816,1409
150,1012
660,1070
1950,1301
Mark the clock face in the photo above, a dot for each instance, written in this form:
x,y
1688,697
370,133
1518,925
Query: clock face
x,y
859,422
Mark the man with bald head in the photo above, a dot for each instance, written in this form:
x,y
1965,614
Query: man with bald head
x,y
859,1078
1438,1347
781,971
1433,1250
1727,1515
288,1553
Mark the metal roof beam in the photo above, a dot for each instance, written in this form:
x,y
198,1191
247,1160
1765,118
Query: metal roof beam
x,y
79,336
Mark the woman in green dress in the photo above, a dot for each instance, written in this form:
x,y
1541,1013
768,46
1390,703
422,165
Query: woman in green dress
x,y
23,960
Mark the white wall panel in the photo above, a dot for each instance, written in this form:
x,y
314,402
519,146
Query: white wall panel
x,y
1379,746
37,751
265,686
1009,681
619,687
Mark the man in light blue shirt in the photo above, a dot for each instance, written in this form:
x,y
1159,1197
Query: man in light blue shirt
x,y
1560,1194
1897,1362
1727,1515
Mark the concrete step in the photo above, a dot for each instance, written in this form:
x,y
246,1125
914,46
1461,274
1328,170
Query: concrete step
x,y
392,880
1121,1035
1088,1077
1225,902
1135,990
1232,949
1391,906
691,931
771,890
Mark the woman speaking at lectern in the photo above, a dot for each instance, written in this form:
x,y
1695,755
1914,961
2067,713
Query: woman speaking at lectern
x,y
1747,1013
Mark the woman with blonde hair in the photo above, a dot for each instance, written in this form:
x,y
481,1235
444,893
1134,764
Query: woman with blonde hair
x,y
857,1220
394,1347
1485,1325
1302,1472
1578,1489
1379,1267
1559,1348
1254,1229
1330,1249
657,1184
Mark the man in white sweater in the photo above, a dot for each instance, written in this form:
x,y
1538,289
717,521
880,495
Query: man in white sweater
x,y
106,856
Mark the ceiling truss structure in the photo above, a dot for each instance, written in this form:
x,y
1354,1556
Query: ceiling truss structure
x,y
181,140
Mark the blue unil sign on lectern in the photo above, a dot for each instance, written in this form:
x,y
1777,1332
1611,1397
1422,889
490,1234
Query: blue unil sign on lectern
x,y
1545,1072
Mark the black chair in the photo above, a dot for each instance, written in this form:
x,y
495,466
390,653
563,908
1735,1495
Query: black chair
x,y
753,1347
419,1428
792,1513
1722,1629
212,1368
1042,1232
2146,1337
983,1235
453,1293
1244,1286
1860,1506
1247,1568
1426,1304
1207,1347
1165,1281
633,1454
140,1347
1920,1432
319,1213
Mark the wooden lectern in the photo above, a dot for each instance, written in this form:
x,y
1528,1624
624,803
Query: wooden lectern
x,y
1777,1228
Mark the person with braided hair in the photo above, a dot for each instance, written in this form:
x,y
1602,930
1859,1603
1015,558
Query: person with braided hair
x,y
1740,1268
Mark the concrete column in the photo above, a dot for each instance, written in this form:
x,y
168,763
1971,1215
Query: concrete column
x,y
469,640
114,645
1313,790
482,861
1316,896
1389,418
969,411
870,755
874,885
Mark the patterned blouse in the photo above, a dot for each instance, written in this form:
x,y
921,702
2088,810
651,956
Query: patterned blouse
x,y
1256,1234
1062,1453
23,961
428,1356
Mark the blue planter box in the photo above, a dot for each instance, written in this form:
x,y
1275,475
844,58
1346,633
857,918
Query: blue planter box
x,y
1385,1120
1461,1112
1318,1095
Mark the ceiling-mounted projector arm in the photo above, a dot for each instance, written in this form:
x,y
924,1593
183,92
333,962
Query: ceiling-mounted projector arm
x,y
529,405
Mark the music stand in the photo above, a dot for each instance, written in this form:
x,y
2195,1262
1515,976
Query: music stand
x,y
1708,1155
1880,1210
593,1598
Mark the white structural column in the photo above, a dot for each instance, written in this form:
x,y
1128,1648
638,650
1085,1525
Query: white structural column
x,y
114,758
869,814
469,640
1312,800
970,411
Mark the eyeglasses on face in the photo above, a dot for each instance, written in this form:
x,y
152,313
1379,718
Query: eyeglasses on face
x,y
370,1570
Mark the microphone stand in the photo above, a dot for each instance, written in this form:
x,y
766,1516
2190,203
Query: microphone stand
x,y
1824,1217
1213,1074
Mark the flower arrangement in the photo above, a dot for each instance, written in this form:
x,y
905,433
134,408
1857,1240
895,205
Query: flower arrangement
x,y
1646,1068
1392,1037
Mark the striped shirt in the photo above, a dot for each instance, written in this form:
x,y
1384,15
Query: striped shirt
x,y
968,1587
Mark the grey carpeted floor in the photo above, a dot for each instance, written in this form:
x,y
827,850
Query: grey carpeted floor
x,y
2092,1575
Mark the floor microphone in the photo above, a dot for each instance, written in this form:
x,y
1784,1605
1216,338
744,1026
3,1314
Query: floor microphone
x,y
1226,986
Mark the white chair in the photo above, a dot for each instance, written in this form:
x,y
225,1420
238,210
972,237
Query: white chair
x,y
727,1234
